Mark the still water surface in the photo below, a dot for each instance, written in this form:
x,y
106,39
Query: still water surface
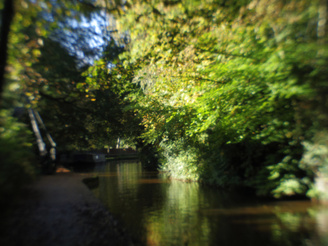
x,y
158,211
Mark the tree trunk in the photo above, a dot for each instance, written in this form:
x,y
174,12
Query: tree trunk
x,y
7,16
322,20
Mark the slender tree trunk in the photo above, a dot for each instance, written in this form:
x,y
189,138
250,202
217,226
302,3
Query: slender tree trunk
x,y
7,16
37,133
322,20
118,143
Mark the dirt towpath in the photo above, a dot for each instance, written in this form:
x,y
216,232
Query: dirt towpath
x,y
59,210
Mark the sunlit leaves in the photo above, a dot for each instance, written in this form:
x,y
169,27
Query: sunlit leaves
x,y
234,73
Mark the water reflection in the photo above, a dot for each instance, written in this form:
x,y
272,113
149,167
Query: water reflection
x,y
162,212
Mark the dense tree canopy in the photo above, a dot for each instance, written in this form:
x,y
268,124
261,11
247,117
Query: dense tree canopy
x,y
44,71
230,90
227,92
49,59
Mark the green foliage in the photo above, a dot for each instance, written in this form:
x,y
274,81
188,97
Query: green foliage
x,y
53,87
108,89
46,74
16,153
180,161
315,160
316,154
225,91
241,86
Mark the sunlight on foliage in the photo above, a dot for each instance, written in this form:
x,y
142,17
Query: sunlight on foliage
x,y
229,93
315,158
246,75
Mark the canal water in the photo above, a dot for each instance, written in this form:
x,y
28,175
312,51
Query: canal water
x,y
158,211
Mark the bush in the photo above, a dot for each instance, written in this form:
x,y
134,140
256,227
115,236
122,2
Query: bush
x,y
315,160
180,160
16,155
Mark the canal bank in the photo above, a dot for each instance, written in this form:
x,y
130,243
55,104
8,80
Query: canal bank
x,y
60,210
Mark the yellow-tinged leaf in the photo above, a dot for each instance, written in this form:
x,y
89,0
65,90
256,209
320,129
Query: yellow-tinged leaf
x,y
36,52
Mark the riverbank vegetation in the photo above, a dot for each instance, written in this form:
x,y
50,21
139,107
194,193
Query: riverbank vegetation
x,y
229,93
16,154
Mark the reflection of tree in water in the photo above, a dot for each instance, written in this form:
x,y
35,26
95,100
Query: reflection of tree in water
x,y
309,226
128,176
163,212
175,223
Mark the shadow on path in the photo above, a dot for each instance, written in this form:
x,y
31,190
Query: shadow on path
x,y
60,210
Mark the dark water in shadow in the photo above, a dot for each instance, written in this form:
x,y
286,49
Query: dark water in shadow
x,y
162,212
